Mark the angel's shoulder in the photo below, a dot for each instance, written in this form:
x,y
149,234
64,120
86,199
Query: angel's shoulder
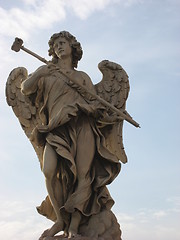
x,y
40,70
83,77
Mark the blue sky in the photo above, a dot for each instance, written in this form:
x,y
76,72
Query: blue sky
x,y
142,36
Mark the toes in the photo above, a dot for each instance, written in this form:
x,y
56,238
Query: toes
x,y
49,233
73,235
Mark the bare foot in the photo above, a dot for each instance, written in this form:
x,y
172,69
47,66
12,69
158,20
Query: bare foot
x,y
56,227
65,234
74,225
73,234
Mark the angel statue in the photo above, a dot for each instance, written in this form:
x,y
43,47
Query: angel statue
x,y
75,128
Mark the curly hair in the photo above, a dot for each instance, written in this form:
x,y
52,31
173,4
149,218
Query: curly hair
x,y
75,45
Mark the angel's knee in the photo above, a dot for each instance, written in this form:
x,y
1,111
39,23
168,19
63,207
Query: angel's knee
x,y
49,162
48,173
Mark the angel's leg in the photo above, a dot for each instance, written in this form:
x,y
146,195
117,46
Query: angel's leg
x,y
53,188
84,157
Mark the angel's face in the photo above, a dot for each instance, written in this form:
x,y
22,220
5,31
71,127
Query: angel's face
x,y
62,48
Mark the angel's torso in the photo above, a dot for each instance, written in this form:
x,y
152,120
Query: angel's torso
x,y
59,92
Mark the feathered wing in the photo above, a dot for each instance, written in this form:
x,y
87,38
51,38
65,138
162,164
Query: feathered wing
x,y
114,88
23,106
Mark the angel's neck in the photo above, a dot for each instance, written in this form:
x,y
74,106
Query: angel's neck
x,y
65,63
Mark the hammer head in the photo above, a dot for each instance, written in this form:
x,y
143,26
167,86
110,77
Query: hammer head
x,y
17,44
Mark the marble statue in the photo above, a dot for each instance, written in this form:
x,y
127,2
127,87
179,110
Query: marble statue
x,y
75,128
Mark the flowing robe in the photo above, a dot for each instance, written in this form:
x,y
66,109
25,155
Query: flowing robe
x,y
64,113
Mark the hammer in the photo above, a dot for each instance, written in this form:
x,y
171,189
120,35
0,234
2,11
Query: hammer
x,y
18,44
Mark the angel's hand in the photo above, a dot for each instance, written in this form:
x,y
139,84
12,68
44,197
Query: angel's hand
x,y
113,118
45,70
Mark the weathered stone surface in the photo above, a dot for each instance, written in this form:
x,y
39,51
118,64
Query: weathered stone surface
x,y
74,238
75,128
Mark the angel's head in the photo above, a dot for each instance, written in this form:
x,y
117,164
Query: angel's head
x,y
75,47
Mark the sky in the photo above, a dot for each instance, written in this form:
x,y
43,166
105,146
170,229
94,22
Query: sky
x,y
141,35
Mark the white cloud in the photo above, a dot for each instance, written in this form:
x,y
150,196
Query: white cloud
x,y
163,224
18,221
84,8
174,200
159,214
10,209
38,14
42,15
125,217
129,3
30,2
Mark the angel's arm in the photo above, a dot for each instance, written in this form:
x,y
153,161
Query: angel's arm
x,y
29,86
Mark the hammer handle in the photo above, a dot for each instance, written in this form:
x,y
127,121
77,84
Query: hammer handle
x,y
34,54
105,103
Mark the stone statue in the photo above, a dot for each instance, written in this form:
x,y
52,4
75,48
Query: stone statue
x,y
75,128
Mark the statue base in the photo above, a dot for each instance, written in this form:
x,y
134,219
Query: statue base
x,y
102,226
61,237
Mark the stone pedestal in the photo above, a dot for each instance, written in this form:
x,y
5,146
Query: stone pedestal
x,y
102,226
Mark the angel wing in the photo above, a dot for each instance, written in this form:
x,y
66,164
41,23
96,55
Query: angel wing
x,y
23,106
114,88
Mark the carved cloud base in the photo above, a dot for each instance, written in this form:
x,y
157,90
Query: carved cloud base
x,y
103,226
74,238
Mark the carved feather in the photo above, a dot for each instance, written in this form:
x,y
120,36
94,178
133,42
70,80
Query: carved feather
x,y
114,88
22,105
